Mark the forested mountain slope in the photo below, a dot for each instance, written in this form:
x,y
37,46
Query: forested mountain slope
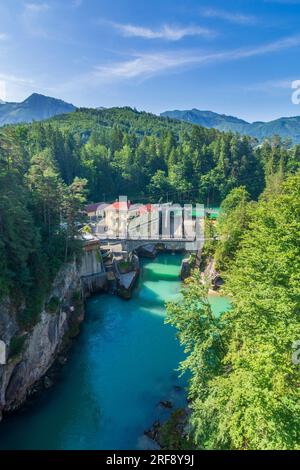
x,y
121,150
45,169
285,127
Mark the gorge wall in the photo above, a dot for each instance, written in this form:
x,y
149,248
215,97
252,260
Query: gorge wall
x,y
29,354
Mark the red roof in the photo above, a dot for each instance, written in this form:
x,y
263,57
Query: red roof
x,y
120,205
146,208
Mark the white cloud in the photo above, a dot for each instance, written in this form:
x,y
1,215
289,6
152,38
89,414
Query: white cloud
x,y
275,46
145,65
36,7
141,65
171,33
232,17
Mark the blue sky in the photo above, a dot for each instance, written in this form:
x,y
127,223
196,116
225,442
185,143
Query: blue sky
x,y
234,57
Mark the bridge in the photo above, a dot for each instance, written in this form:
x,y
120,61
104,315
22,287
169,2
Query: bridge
x,y
117,233
191,244
179,234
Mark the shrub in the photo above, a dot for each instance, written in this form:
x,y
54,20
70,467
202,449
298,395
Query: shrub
x,y
16,345
53,305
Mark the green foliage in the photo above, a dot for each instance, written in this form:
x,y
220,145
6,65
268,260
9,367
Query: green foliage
x,y
34,200
200,332
30,315
125,266
53,305
16,346
264,284
232,224
244,388
210,235
172,435
288,128
122,151
77,297
48,169
192,260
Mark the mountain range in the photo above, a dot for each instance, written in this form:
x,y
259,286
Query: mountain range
x,y
38,107
35,108
288,127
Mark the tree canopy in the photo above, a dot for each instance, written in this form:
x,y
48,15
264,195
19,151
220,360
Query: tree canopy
x,y
245,386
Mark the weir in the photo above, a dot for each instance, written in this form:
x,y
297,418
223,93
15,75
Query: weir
x,y
100,269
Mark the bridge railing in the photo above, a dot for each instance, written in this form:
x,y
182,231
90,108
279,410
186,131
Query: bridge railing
x,y
149,239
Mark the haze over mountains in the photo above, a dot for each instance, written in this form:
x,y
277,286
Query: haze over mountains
x,y
284,127
35,108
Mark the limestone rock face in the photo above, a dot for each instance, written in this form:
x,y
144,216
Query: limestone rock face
x,y
42,344
186,270
8,324
126,281
212,275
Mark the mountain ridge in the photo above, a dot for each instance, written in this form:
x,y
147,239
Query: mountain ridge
x,y
285,127
36,107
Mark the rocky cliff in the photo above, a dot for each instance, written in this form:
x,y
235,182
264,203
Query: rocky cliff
x,y
30,354
211,274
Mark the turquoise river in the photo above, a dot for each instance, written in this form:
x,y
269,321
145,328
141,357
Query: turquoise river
x,y
121,366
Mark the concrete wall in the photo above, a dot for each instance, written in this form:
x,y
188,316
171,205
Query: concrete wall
x,y
91,263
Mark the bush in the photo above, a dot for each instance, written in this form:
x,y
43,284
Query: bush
x,y
16,345
30,316
172,434
53,305
125,267
76,297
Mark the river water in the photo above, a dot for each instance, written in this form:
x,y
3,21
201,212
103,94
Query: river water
x,y
121,366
